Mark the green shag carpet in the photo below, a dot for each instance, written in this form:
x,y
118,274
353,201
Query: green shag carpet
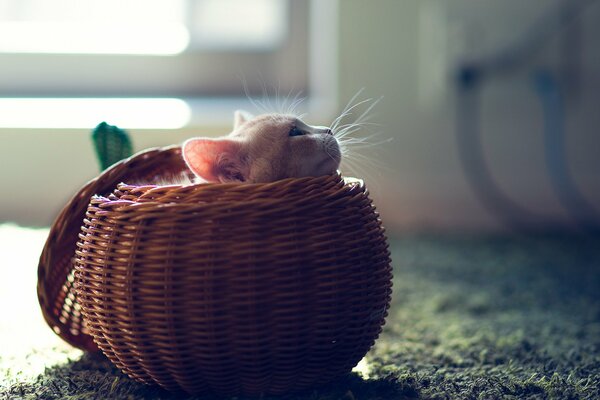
x,y
472,318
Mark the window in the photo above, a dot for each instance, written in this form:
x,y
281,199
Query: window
x,y
192,53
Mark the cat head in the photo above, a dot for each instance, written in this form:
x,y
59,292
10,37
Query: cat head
x,y
264,148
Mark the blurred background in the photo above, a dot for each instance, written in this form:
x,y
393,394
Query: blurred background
x,y
493,107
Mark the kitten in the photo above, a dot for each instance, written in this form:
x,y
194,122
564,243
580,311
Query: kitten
x,y
264,148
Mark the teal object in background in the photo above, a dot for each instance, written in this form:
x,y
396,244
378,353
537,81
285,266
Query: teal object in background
x,y
112,144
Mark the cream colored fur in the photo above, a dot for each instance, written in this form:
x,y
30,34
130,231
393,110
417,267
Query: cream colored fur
x,y
260,149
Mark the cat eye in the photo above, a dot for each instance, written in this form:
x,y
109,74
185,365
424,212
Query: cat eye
x,y
295,132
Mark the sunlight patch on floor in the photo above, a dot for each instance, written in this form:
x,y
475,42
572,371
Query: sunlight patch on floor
x,y
27,344
363,368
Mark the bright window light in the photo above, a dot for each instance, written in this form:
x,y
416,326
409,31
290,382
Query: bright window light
x,y
92,38
149,27
153,27
152,113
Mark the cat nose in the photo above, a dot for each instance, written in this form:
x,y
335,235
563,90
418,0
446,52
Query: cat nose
x,y
328,131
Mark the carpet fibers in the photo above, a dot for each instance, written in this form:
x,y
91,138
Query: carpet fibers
x,y
472,318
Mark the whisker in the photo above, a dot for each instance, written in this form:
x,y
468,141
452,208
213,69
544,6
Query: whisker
x,y
352,99
350,167
366,164
360,143
255,102
347,128
350,143
296,101
353,143
287,103
359,123
336,121
268,105
365,114
278,100
346,112
329,154
348,131
369,162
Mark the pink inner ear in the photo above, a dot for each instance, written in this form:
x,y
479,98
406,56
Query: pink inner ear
x,y
202,156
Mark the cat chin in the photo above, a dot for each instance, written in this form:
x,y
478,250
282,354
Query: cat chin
x,y
327,167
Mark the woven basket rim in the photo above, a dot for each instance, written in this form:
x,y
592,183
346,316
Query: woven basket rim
x,y
232,185
145,192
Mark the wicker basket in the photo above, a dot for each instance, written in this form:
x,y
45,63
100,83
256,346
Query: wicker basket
x,y
233,288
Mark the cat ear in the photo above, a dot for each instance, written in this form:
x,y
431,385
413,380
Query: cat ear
x,y
215,160
241,116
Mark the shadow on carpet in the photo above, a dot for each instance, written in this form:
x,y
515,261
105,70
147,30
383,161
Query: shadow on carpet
x,y
94,377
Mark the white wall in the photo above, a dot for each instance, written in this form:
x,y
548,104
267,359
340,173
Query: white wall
x,y
421,183
41,169
416,180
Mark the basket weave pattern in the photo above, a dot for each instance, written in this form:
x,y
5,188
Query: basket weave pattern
x,y
55,290
237,289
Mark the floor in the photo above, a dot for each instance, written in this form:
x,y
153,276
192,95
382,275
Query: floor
x,y
472,318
